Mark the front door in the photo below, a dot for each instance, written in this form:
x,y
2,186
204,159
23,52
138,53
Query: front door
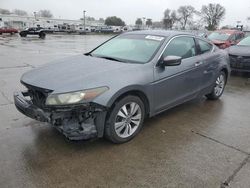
x,y
176,84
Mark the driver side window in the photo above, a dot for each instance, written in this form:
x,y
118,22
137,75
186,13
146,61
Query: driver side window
x,y
181,46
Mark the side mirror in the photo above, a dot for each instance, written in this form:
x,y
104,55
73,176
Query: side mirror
x,y
172,61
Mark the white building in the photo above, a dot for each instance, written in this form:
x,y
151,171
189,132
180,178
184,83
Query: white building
x,y
21,22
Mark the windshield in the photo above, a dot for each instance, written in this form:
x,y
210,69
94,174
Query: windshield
x,y
219,36
245,42
130,48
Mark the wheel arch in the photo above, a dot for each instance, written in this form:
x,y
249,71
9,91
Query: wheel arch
x,y
131,91
226,71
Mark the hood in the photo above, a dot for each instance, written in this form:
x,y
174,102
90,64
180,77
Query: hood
x,y
239,50
76,73
218,42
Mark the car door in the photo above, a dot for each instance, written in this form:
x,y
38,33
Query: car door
x,y
209,58
176,84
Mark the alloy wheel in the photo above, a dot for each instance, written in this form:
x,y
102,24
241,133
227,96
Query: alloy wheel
x,y
219,85
128,119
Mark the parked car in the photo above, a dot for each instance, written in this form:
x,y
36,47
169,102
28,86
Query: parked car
x,y
33,31
110,90
107,29
240,56
8,30
226,38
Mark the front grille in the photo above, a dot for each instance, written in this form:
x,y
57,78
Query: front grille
x,y
38,95
38,98
240,62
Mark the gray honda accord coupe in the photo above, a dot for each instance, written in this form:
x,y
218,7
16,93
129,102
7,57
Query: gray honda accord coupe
x,y
109,91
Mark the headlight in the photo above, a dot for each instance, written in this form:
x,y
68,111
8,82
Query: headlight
x,y
75,97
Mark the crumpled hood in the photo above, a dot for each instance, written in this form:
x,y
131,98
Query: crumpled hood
x,y
218,42
239,50
76,73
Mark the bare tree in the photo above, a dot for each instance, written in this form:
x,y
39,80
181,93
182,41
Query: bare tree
x,y
169,18
185,15
157,24
20,12
212,14
4,11
45,13
101,20
89,18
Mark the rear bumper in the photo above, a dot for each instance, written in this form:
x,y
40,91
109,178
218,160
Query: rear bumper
x,y
74,123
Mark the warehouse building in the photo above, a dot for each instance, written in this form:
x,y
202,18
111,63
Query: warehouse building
x,y
21,22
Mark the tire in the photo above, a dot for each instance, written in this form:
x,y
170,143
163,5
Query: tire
x,y
122,125
22,34
219,86
42,35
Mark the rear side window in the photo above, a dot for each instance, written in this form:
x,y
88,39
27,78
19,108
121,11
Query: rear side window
x,y
204,46
239,36
233,37
181,46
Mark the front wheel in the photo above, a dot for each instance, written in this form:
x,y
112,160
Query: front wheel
x,y
219,87
125,119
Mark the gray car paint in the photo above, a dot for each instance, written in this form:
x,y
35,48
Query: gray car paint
x,y
163,87
239,50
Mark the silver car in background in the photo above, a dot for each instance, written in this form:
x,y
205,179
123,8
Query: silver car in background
x,y
110,90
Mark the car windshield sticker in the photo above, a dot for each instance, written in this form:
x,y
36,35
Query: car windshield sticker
x,y
151,37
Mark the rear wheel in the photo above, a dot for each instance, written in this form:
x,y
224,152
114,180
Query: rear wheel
x,y
23,34
42,35
125,119
219,87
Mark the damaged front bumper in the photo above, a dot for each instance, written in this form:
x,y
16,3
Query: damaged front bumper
x,y
77,122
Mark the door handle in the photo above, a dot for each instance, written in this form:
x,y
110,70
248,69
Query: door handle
x,y
198,63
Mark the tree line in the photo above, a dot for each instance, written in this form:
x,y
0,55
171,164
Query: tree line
x,y
209,17
41,13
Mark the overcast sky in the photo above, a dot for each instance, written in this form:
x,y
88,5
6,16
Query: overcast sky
x,y
128,10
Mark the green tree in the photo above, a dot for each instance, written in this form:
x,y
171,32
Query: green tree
x,y
114,21
138,22
149,22
212,14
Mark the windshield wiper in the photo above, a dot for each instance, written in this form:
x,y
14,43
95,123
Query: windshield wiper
x,y
110,58
88,54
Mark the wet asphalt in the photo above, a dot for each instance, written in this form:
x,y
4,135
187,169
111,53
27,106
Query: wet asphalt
x,y
198,144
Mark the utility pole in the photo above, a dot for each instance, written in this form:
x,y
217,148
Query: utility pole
x,y
84,20
35,19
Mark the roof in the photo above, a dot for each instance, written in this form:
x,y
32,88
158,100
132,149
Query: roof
x,y
165,33
229,31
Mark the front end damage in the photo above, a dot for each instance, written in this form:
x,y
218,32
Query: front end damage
x,y
76,122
